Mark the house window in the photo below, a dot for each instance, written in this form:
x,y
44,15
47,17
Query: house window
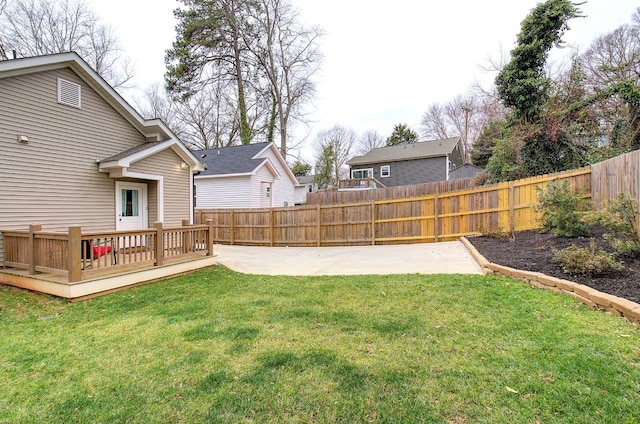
x,y
69,93
268,191
385,170
357,174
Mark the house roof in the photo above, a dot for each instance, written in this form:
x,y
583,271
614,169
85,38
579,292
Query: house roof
x,y
244,159
231,160
423,149
152,129
305,179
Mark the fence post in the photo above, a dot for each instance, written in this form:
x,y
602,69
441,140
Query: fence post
x,y
75,253
319,227
232,230
435,216
31,247
159,244
271,227
512,211
210,237
373,223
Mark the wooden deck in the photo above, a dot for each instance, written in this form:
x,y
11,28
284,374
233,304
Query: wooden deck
x,y
78,265
59,285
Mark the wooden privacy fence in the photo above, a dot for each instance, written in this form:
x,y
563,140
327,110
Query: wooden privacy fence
x,y
434,217
617,175
81,256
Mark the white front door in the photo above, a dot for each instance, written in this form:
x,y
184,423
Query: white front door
x,y
131,206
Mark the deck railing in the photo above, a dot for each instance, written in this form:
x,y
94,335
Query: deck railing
x,y
83,255
360,184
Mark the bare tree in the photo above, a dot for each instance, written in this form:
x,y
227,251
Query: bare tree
x,y
39,27
288,54
204,120
464,116
435,123
612,66
368,141
338,143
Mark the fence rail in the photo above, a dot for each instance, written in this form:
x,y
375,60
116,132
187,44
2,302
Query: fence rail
x,y
433,217
81,256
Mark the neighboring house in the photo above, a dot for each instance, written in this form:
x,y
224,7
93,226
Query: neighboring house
x,y
244,176
465,171
412,163
304,187
74,152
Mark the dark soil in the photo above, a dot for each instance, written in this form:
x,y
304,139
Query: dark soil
x,y
533,251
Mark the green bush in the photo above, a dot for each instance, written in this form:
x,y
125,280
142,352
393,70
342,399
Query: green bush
x,y
620,216
591,262
562,211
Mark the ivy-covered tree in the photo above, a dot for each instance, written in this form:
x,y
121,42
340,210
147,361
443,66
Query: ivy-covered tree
x,y
402,134
522,83
210,34
324,177
256,47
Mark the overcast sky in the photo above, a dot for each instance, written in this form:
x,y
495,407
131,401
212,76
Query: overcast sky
x,y
384,62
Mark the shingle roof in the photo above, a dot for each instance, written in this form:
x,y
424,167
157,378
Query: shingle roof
x,y
231,160
423,149
305,179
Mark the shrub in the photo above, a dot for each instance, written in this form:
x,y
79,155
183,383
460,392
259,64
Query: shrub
x,y
562,211
591,262
620,216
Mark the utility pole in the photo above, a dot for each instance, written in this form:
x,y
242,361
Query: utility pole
x,y
466,110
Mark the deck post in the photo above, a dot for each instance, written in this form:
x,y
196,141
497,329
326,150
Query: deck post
x,y
187,245
159,245
75,253
31,252
210,237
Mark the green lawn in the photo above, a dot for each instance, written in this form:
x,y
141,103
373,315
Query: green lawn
x,y
217,346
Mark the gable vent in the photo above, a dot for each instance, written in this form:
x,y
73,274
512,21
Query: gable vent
x,y
69,93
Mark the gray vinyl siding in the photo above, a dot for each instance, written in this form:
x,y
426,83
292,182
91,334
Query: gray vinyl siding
x,y
54,180
464,171
176,183
407,172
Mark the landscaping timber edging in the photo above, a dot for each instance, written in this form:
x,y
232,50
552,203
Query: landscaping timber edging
x,y
585,294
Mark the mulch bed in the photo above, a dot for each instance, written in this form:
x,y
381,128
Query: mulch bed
x,y
533,251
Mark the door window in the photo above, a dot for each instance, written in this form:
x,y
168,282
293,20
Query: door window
x,y
129,202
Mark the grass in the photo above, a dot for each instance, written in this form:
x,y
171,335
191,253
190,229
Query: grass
x,y
217,346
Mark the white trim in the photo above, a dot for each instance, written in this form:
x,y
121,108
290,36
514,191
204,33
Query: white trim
x,y
174,145
203,177
124,173
281,159
191,184
369,173
266,162
143,203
